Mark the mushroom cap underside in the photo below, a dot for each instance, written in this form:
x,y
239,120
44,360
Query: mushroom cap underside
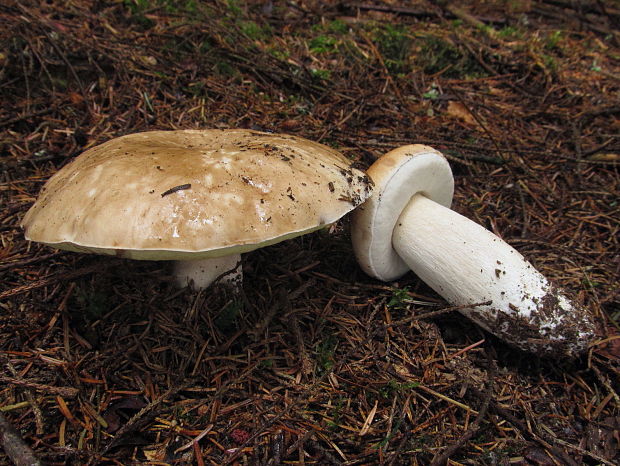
x,y
398,176
194,193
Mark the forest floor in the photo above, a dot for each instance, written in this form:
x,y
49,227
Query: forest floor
x,y
103,361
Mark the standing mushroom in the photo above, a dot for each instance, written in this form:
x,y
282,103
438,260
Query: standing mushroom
x,y
197,197
407,225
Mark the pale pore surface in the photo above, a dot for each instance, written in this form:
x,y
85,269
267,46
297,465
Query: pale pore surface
x,y
248,189
398,176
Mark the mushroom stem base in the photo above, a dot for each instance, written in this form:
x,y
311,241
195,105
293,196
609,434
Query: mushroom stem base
x,y
467,264
203,272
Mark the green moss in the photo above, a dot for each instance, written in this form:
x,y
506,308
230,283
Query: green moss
x,y
234,8
393,387
389,436
432,93
338,27
280,54
510,33
266,363
553,40
394,43
325,353
321,75
400,298
336,413
323,44
253,30
223,68
550,63
138,8
438,55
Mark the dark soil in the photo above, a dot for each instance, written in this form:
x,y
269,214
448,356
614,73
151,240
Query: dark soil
x,y
103,361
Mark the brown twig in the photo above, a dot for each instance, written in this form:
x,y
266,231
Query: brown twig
x,y
67,392
54,279
26,116
432,314
29,261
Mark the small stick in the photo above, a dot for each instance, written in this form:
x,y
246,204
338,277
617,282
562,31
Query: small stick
x,y
430,314
29,261
63,391
176,188
447,398
53,279
25,116
14,447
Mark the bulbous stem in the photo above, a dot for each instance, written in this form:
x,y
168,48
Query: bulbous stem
x,y
467,264
203,272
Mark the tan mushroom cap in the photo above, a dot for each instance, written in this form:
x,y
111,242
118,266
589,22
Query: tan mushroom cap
x,y
194,194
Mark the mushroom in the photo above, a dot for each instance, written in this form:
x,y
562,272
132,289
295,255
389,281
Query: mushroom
x,y
407,225
200,198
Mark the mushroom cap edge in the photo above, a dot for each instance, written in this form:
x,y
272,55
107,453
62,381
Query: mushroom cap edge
x,y
398,176
334,195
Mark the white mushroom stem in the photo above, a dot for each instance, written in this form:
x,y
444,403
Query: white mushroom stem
x,y
467,264
202,272
464,262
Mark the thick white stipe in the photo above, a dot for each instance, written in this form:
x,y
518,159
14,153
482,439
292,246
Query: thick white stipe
x,y
467,264
202,272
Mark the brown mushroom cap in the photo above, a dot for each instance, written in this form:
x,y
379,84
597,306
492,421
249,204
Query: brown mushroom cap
x,y
193,194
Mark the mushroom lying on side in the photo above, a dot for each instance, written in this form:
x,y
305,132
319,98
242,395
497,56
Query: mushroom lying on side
x,y
197,197
407,225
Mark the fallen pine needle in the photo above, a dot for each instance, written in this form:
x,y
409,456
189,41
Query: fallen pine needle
x,y
369,419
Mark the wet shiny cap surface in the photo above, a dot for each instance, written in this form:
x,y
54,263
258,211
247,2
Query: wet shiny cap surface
x,y
194,193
